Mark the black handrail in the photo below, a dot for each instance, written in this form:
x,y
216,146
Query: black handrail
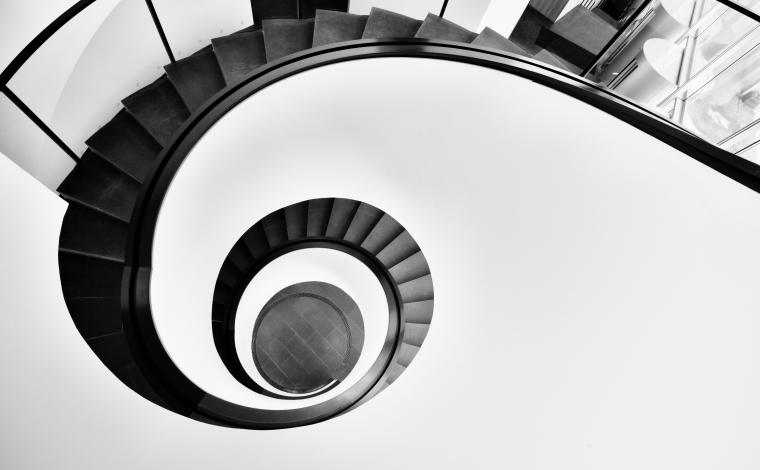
x,y
186,397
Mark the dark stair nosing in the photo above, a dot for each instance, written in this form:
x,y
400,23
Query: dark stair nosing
x,y
96,183
332,27
411,268
417,289
296,219
275,229
342,214
415,333
490,38
285,37
256,241
124,143
318,217
95,317
435,27
89,231
365,219
89,254
159,108
239,54
418,312
387,24
196,77
87,276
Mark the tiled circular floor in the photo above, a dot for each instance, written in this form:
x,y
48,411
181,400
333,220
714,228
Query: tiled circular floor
x,y
303,337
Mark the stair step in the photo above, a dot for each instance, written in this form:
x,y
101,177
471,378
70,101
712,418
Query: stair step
x,y
435,27
256,241
99,185
309,8
398,250
222,294
490,38
88,231
241,258
296,216
387,24
419,312
113,350
95,317
285,37
126,145
364,221
415,333
342,213
411,268
384,232
229,273
134,379
417,289
332,26
275,229
84,276
269,9
196,78
406,353
319,216
394,372
239,54
159,109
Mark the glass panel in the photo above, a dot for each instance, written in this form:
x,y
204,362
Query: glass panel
x,y
24,143
728,102
190,26
719,35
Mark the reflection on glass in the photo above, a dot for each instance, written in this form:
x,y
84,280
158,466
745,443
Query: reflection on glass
x,y
729,102
718,36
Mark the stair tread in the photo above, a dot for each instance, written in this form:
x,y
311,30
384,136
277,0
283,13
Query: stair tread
x,y
435,27
384,232
285,37
296,217
417,289
275,229
490,38
239,54
365,219
388,24
95,317
419,312
113,350
332,26
411,268
98,184
196,77
415,333
159,109
88,231
127,145
83,276
256,241
342,213
398,250
318,217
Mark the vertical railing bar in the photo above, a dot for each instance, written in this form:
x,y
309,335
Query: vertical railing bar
x,y
38,122
160,29
443,8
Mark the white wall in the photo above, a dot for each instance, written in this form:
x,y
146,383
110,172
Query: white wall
x,y
596,300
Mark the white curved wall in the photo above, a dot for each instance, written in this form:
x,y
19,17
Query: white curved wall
x,y
596,297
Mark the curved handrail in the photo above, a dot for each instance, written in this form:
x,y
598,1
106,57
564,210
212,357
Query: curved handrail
x,y
28,51
138,321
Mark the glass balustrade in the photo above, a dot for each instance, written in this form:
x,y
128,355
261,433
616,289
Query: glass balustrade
x,y
694,62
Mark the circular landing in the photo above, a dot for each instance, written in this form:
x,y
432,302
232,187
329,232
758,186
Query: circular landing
x,y
302,340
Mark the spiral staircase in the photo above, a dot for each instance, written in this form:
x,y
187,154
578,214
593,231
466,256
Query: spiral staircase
x,y
104,186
